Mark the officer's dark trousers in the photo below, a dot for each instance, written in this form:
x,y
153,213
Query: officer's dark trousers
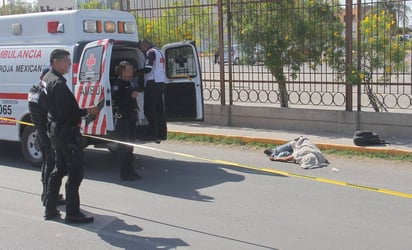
x,y
125,131
154,109
47,158
69,160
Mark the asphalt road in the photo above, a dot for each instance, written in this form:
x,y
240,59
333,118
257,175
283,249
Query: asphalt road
x,y
194,196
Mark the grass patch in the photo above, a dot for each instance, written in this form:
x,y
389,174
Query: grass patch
x,y
374,155
205,139
222,140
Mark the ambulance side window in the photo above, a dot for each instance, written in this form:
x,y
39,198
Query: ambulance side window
x,y
90,66
180,62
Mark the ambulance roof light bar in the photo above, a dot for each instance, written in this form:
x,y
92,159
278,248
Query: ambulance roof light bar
x,y
95,26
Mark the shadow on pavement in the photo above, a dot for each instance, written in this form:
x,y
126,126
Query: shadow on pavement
x,y
164,176
119,234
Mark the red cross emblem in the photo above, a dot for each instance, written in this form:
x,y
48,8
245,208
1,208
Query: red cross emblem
x,y
91,61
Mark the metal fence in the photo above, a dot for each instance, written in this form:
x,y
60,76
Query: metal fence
x,y
373,77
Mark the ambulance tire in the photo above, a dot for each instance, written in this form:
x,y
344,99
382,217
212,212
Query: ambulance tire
x,y
30,147
236,61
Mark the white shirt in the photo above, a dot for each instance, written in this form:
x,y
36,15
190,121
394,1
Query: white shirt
x,y
155,60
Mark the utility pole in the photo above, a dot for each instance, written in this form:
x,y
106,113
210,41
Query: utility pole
x,y
4,7
121,4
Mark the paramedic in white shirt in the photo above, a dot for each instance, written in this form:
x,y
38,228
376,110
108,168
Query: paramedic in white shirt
x,y
154,106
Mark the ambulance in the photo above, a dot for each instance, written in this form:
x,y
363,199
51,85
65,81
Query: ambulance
x,y
97,41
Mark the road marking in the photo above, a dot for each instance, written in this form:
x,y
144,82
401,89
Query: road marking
x,y
285,173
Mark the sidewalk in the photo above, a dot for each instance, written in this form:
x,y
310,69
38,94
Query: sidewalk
x,y
395,146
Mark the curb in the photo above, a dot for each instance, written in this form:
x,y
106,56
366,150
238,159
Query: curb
x,y
248,139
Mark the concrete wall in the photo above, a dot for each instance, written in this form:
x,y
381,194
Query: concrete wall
x,y
310,120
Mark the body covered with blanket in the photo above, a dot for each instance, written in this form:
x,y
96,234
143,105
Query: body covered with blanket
x,y
307,154
301,151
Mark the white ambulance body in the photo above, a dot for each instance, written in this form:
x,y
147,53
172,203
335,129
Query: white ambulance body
x,y
97,41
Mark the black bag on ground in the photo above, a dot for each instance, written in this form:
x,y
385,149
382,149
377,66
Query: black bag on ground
x,y
367,138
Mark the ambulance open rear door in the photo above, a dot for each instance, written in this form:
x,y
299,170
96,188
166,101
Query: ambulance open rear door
x,y
93,86
184,91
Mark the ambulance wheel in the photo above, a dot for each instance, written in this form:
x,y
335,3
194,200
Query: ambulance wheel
x,y
236,61
30,147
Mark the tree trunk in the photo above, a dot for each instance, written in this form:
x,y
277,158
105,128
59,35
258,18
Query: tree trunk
x,y
277,72
375,102
283,94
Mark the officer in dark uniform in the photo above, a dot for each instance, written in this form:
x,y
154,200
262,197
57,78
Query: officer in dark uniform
x,y
64,131
38,112
124,95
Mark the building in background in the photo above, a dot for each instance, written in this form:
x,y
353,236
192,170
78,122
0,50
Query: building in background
x,y
53,5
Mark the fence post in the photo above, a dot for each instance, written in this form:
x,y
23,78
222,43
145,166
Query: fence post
x,y
221,56
358,51
348,56
229,51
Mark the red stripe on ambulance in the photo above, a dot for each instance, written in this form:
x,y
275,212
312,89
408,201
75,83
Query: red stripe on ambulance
x,y
8,121
17,96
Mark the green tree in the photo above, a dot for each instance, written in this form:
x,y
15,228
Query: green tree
x,y
380,53
93,4
398,9
291,33
18,7
177,23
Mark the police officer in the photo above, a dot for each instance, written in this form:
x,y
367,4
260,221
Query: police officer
x,y
154,107
124,95
38,112
64,115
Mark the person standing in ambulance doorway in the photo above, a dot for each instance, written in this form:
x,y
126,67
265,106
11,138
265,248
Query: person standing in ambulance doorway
x,y
64,131
155,78
38,112
124,95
